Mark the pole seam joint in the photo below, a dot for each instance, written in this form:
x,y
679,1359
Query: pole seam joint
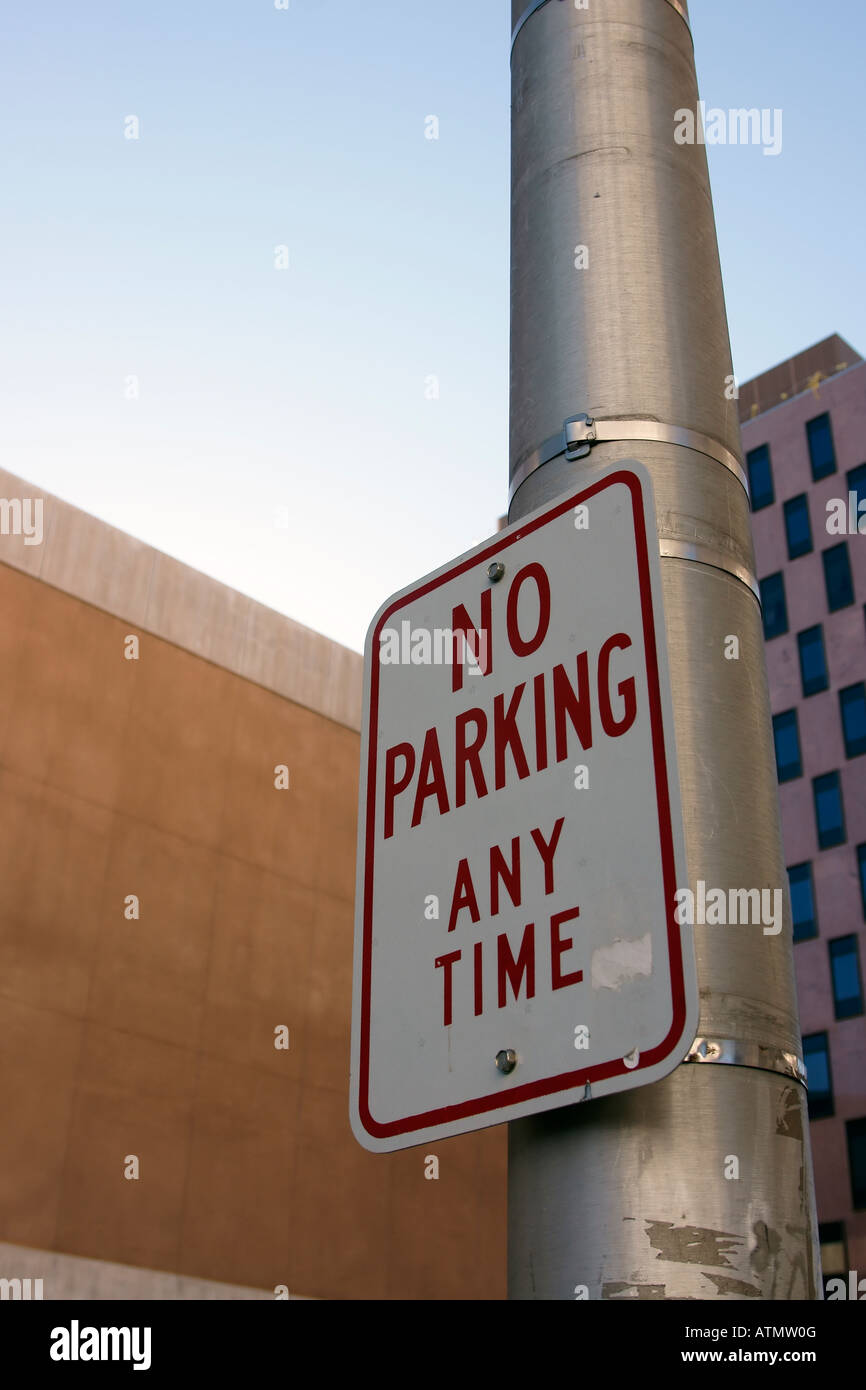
x,y
580,432
702,554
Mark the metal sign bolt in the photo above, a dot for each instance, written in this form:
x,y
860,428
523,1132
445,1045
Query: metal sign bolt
x,y
506,1060
495,571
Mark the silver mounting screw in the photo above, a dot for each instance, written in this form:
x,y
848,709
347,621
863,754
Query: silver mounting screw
x,y
495,571
506,1060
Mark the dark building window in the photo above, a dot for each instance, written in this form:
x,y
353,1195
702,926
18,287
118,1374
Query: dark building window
x,y
813,662
861,865
787,740
829,813
837,576
802,901
760,477
797,526
852,706
857,485
834,1251
845,971
856,1132
816,1054
821,453
773,605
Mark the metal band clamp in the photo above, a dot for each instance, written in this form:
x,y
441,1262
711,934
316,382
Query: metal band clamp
x,y
580,432
738,1053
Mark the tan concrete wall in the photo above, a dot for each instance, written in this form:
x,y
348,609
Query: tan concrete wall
x,y
83,556
155,1037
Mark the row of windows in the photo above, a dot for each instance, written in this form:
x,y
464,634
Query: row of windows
x,y
803,897
822,456
786,733
837,582
798,523
829,810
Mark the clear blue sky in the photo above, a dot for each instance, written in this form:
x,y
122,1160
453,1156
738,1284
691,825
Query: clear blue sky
x,y
282,440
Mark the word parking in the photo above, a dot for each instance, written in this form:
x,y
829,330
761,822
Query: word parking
x,y
530,723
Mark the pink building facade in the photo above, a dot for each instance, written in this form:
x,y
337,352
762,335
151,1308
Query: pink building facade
x,y
804,433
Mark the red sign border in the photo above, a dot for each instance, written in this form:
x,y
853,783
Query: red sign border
x,y
572,1080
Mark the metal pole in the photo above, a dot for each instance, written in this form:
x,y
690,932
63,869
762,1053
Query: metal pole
x,y
699,1186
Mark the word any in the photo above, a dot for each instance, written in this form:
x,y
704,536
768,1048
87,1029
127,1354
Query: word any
x,y
735,127
501,966
739,907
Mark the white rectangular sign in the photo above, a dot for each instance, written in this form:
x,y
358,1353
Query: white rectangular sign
x,y
520,837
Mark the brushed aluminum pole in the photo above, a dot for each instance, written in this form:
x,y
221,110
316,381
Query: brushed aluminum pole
x,y
699,1186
